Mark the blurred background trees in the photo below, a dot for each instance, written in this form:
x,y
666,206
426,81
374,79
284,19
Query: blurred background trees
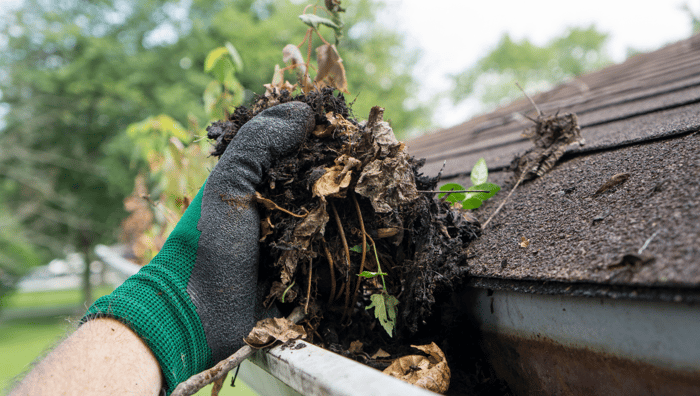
x,y
536,68
74,75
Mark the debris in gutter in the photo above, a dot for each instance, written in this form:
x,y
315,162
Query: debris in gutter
x,y
428,372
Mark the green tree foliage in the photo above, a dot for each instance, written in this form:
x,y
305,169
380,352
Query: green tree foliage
x,y
492,80
75,74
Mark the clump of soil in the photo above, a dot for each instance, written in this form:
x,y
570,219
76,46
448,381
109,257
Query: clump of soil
x,y
352,183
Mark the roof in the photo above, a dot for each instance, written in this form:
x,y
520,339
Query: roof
x,y
639,118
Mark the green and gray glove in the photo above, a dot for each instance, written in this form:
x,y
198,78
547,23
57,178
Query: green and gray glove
x,y
195,301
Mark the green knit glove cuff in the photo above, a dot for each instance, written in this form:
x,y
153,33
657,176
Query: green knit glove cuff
x,y
155,304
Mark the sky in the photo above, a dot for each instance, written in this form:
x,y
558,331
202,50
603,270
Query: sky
x,y
454,34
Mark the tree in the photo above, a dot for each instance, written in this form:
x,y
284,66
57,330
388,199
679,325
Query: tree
x,y
492,80
74,74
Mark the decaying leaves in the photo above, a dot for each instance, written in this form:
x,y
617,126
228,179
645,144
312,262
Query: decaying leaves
x,y
270,330
429,372
292,56
388,181
310,228
356,347
524,242
550,136
330,68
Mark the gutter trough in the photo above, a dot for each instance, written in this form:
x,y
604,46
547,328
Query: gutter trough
x,y
539,344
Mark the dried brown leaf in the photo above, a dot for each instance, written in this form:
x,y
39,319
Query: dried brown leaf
x,y
428,372
524,242
380,354
266,227
355,347
551,135
313,226
330,68
388,183
270,330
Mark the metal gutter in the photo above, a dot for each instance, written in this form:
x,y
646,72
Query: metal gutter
x,y
297,368
546,343
300,368
558,344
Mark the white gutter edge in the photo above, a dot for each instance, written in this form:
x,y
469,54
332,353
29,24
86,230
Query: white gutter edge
x,y
302,368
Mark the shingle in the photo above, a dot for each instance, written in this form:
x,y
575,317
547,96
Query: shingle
x,y
640,118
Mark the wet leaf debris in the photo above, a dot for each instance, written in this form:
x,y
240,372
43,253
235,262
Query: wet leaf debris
x,y
349,203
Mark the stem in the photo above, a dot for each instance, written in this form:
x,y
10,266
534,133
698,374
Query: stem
x,y
522,177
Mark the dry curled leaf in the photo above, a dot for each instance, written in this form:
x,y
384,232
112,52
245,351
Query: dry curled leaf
x,y
270,330
336,179
524,242
550,135
313,226
380,354
293,57
355,347
330,68
428,372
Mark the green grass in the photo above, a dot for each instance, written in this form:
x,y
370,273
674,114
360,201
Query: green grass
x,y
51,298
22,340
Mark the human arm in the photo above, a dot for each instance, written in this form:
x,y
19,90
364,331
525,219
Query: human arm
x,y
102,357
194,302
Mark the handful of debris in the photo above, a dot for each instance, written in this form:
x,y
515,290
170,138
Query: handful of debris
x,y
350,228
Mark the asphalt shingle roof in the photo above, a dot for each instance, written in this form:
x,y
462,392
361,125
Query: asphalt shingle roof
x,y
640,118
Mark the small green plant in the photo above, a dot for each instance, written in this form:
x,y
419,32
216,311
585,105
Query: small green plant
x,y
459,195
383,303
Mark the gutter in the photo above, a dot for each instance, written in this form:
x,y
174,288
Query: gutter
x,y
559,344
540,344
297,368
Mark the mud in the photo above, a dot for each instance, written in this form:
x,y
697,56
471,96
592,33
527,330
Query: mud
x,y
351,183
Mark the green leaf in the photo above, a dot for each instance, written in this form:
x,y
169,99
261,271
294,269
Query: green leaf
x,y
235,56
454,197
213,57
480,172
471,203
356,249
368,274
493,188
314,20
385,310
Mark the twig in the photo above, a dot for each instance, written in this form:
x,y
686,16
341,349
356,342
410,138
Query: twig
x,y
539,113
330,264
218,384
454,191
364,248
308,289
206,377
347,257
522,177
648,241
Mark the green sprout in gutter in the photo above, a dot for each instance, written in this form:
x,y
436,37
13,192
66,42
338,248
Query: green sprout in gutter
x,y
471,200
383,303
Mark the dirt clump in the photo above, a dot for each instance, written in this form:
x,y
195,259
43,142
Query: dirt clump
x,y
350,201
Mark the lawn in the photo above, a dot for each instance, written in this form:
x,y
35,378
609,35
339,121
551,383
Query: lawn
x,y
23,339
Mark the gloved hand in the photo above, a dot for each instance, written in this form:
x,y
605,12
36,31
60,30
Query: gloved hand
x,y
194,302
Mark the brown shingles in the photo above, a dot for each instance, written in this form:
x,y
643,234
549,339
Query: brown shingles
x,y
576,236
638,118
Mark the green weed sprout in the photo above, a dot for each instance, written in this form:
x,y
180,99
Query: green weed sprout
x,y
471,200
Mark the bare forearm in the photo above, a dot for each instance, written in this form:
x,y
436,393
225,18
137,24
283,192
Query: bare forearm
x,y
103,357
